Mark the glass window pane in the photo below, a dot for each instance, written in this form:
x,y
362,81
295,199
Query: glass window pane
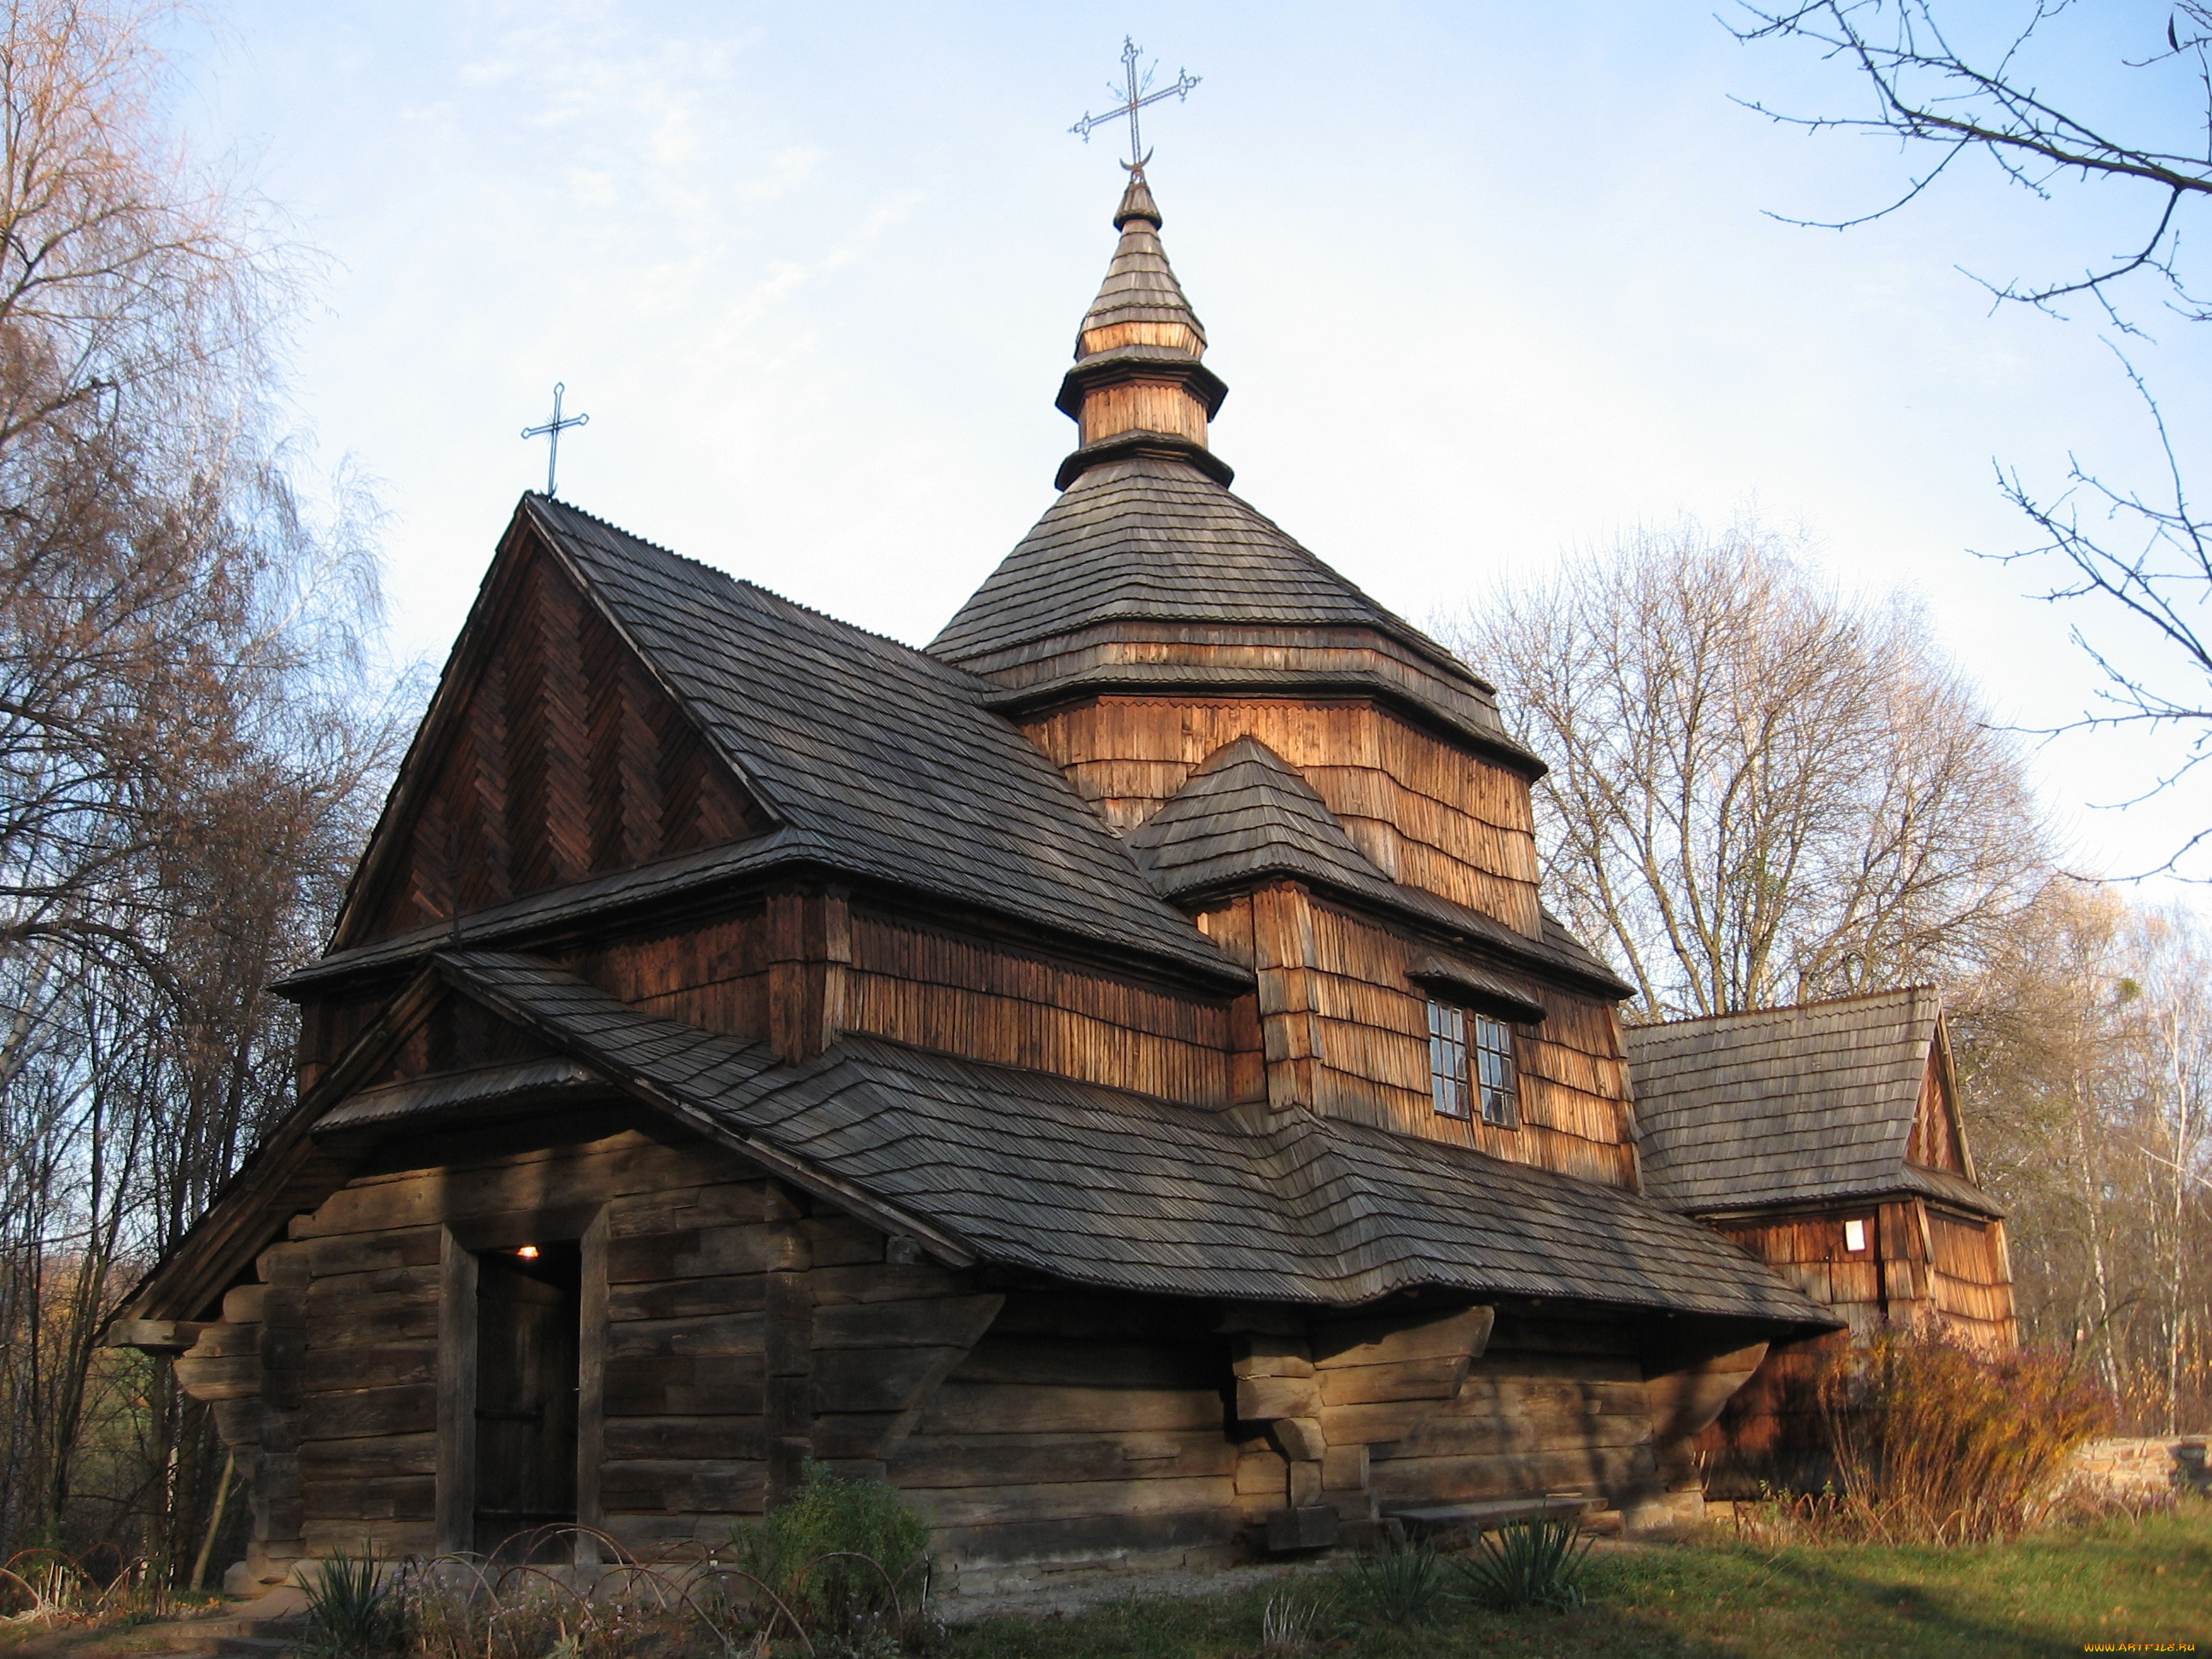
x,y
1493,1053
1448,1078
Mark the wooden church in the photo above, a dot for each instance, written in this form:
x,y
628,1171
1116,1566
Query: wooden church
x,y
1110,1074
1826,1140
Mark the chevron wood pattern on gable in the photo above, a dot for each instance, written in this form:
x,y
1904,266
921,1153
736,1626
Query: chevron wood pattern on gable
x,y
563,760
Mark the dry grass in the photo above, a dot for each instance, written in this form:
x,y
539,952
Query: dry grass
x,y
43,1590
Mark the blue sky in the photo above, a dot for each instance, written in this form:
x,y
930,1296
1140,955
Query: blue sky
x,y
1486,281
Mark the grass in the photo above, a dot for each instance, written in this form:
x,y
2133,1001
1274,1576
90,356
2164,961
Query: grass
x,y
2048,1593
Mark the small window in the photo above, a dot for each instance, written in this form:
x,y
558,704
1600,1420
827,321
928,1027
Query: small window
x,y
1471,1066
1448,1059
1493,1054
1854,1238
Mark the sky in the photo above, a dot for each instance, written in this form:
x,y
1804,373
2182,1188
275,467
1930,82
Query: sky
x,y
1489,283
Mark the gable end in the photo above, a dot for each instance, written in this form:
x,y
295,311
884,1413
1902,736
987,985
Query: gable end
x,y
550,754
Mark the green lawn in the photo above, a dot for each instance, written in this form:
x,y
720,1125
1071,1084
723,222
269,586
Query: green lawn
x,y
2136,1582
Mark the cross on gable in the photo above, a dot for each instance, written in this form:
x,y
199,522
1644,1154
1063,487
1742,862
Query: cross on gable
x,y
1138,94
553,429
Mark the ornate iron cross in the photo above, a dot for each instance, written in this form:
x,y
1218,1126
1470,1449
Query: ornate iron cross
x,y
1139,94
553,429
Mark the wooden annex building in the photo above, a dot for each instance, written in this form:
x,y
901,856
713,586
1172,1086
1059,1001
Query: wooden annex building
x,y
1110,1074
1826,1139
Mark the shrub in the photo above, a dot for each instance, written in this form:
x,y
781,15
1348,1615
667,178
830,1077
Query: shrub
x,y
1401,1583
1936,1441
848,1556
1529,1564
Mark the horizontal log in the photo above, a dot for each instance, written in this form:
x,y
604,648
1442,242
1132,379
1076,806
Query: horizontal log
x,y
1491,1396
241,1304
984,1506
678,1208
729,1334
1598,1470
387,1497
1510,1364
650,1438
684,1298
1104,1364
1410,1379
885,1281
327,1370
1485,1437
1262,1398
354,1253
706,1251
234,1377
678,1536
387,1541
878,1379
838,1241
225,1340
943,1321
659,1386
372,1287
409,1409
627,1162
384,1455
374,1322
1460,1335
959,1407
1008,1460
684,1485
1121,1539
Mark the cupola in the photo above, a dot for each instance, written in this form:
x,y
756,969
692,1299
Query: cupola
x,y
1138,381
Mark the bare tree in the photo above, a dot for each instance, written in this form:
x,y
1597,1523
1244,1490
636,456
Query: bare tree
x,y
2145,552
183,763
2085,1046
1759,792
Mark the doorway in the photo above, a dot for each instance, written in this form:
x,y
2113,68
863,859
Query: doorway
x,y
529,1308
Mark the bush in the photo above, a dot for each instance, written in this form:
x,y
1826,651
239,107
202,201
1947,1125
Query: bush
x,y
1935,1442
848,1556
1529,1564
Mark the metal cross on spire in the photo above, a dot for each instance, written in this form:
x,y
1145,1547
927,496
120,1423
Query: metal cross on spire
x,y
1139,94
553,429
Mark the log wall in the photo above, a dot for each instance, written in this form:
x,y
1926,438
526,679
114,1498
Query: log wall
x,y
1083,1428
729,1334
1428,813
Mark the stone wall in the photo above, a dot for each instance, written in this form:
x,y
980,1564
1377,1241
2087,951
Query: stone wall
x,y
2142,1468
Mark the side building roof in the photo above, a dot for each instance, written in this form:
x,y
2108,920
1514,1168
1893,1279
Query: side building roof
x,y
1779,1106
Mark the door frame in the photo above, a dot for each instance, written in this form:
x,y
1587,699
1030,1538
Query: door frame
x,y
459,1242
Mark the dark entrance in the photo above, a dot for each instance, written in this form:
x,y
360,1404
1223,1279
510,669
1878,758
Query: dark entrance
x,y
528,1304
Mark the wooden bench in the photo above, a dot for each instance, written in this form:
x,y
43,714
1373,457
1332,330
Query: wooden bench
x,y
1427,1520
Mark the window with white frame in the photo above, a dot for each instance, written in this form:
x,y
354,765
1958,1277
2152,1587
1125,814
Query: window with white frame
x,y
1471,1066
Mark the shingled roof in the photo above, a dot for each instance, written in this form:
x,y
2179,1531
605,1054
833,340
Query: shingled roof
x,y
1140,286
1781,1106
875,759
1154,538
1244,812
1102,1186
